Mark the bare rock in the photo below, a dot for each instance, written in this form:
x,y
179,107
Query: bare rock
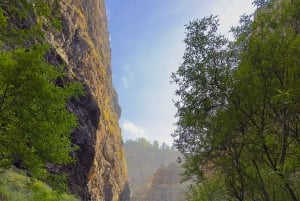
x,y
100,173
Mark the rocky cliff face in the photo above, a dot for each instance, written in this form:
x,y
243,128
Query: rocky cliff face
x,y
165,185
100,173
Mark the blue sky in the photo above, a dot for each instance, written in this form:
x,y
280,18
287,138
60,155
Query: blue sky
x,y
146,39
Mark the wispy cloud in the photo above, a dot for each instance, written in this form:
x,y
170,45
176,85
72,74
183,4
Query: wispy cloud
x,y
132,130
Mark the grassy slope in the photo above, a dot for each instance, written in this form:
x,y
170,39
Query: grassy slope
x,y
15,186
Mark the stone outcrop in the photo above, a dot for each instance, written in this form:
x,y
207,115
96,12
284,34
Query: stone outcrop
x,y
166,185
100,173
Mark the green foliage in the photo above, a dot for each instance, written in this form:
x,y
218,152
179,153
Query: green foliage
x,y
143,144
203,81
2,19
15,186
28,21
239,105
32,109
210,190
35,124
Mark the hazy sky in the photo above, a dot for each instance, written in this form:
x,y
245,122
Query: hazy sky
x,y
147,46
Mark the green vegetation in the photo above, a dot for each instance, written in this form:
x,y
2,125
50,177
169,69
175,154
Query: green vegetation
x,y
35,125
15,186
238,109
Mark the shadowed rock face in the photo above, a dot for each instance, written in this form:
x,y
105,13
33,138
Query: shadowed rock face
x,y
100,173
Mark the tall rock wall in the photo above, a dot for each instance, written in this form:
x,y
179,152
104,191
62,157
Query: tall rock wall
x,y
100,173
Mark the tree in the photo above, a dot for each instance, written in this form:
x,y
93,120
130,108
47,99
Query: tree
x,y
155,145
35,124
203,81
165,147
246,131
143,143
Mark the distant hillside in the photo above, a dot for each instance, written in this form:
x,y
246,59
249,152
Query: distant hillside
x,y
153,171
165,185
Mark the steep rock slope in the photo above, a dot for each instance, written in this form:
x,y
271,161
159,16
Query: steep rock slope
x,y
100,174
166,185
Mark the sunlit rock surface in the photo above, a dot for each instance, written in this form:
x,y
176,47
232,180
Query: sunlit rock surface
x,y
100,174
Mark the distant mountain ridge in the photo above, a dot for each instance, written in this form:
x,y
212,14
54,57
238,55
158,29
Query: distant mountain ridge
x,y
153,172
